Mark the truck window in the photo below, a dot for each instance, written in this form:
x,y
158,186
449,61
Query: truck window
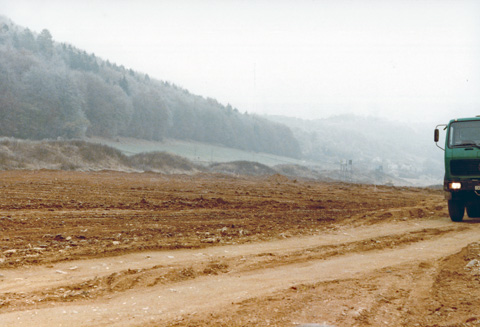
x,y
464,133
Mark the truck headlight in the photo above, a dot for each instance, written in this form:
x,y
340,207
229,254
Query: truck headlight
x,y
455,186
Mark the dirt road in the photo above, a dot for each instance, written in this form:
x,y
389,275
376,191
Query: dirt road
x,y
116,249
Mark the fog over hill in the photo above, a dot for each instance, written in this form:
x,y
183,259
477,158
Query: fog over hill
x,y
404,150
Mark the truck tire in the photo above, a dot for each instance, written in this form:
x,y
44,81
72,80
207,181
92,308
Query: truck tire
x,y
473,211
456,209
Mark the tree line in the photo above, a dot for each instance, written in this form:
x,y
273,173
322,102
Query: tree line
x,y
50,90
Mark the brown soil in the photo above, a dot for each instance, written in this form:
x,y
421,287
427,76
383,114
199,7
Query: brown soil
x,y
128,249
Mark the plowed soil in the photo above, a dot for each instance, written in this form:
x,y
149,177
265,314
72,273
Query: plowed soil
x,y
130,249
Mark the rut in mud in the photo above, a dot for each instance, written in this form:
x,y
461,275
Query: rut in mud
x,y
124,249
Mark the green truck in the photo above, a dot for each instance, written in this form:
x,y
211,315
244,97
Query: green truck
x,y
462,166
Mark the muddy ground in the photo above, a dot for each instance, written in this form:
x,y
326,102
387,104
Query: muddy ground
x,y
129,249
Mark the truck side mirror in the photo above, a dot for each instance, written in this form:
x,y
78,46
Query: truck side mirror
x,y
436,136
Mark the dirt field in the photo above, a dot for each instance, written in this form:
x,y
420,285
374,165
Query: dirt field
x,y
119,249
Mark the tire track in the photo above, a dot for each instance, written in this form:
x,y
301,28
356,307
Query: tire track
x,y
251,270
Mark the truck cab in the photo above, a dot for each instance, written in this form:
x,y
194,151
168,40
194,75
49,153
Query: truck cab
x,y
462,167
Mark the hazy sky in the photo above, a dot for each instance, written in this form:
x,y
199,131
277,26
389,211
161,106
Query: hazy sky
x,y
410,60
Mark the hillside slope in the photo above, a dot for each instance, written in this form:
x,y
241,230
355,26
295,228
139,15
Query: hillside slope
x,y
50,90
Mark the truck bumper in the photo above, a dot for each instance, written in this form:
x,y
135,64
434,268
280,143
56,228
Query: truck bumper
x,y
461,185
466,190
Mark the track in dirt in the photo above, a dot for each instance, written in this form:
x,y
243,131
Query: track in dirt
x,y
147,249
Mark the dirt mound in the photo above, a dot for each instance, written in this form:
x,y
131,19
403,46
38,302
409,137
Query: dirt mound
x,y
163,162
85,156
278,179
247,168
62,155
300,172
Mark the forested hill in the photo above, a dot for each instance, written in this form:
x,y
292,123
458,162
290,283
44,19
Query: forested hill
x,y
51,90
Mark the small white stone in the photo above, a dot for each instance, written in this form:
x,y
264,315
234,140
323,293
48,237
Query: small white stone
x,y
473,263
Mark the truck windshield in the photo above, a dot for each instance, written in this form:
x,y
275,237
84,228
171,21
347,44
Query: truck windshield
x,y
465,133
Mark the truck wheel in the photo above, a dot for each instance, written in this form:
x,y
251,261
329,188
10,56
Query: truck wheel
x,y
473,211
456,209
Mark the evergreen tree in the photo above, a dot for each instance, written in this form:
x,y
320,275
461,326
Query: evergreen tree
x,y
124,85
27,41
45,43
